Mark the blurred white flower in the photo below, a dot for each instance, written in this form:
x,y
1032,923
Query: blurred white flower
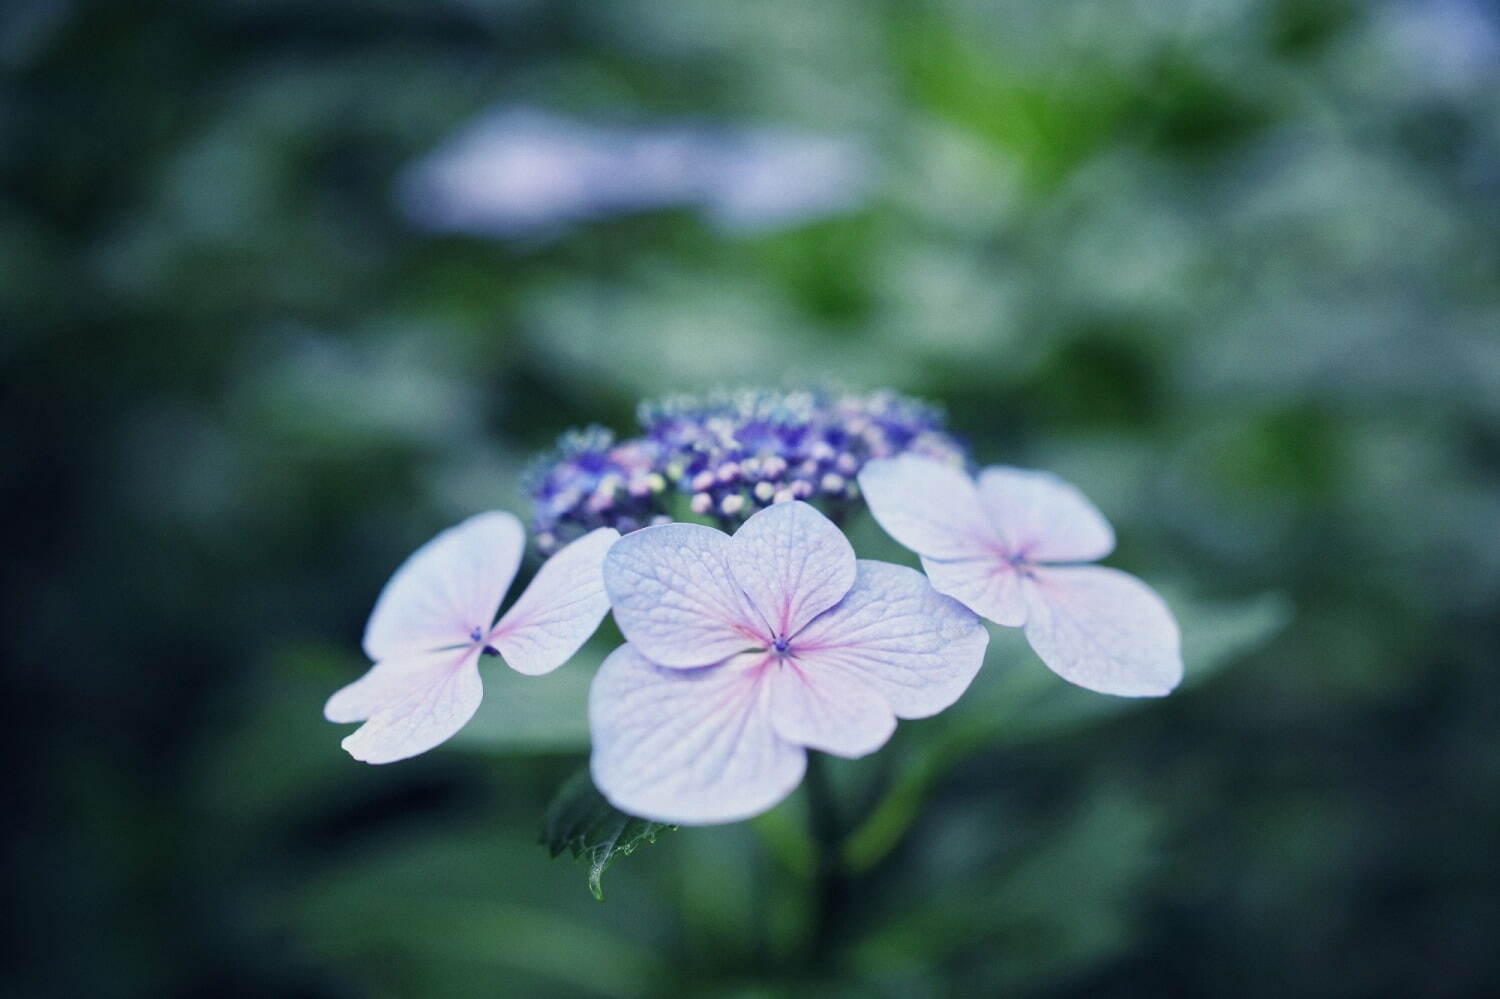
x,y
1453,45
519,173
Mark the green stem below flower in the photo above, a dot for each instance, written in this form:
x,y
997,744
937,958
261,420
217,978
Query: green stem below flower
x,y
830,881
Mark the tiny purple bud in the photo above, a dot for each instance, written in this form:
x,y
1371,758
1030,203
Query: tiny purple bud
x,y
732,504
701,503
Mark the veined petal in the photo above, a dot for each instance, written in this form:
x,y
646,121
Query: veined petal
x,y
384,684
918,648
1103,629
408,705
675,599
1042,518
827,708
689,746
929,507
793,564
559,610
989,586
447,588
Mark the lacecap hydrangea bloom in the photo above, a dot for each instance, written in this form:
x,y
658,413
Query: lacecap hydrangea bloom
x,y
743,652
725,455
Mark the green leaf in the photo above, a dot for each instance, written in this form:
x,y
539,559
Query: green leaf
x,y
521,716
1019,700
579,819
1023,701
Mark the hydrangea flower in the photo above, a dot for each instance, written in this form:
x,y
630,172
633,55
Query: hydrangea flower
x,y
1011,548
728,454
744,652
436,618
594,481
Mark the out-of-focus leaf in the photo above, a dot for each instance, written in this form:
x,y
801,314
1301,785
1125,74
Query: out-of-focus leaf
x,y
580,820
1030,702
1016,702
1067,893
527,714
457,905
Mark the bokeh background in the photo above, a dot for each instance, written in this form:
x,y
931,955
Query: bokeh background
x,y
286,287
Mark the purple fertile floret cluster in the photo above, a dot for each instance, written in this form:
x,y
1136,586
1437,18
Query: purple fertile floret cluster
x,y
721,457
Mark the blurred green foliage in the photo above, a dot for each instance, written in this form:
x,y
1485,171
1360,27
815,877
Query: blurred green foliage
x,y
1231,267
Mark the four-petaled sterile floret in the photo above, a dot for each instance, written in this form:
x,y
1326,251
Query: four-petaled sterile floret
x,y
1013,547
744,652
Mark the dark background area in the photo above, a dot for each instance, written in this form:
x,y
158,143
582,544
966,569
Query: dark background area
x,y
1231,267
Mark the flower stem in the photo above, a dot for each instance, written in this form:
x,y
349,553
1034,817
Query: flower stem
x,y
829,882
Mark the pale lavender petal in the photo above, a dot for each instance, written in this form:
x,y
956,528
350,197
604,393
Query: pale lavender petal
x,y
386,683
559,610
674,598
412,704
989,586
824,707
1042,518
918,648
1103,629
929,507
689,746
447,588
793,564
